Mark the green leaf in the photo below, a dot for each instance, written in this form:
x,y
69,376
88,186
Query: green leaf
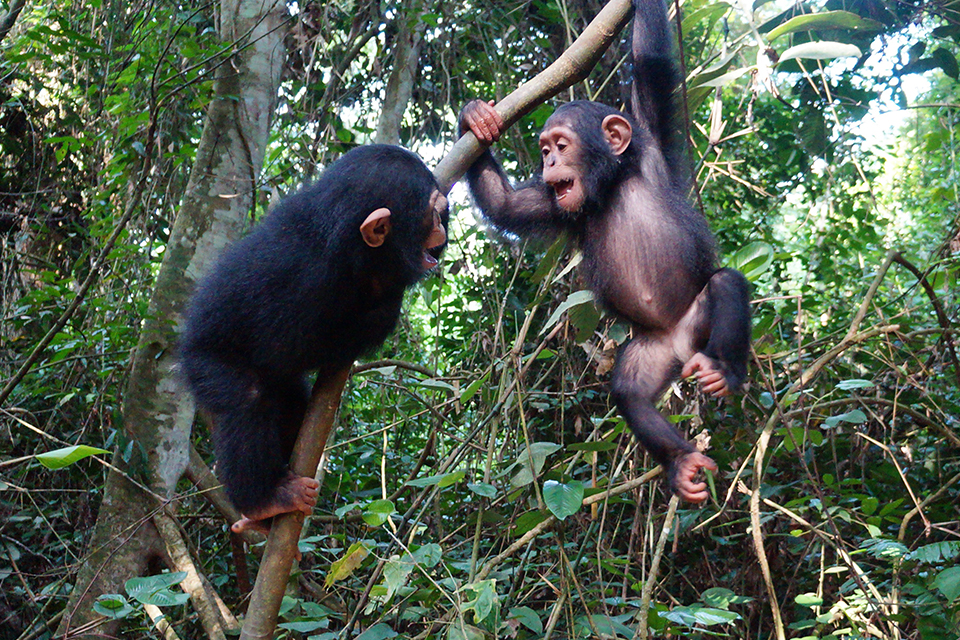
x,y
427,481
808,600
854,383
752,260
935,553
538,451
432,383
482,489
718,597
377,512
855,417
883,548
65,457
395,573
697,614
451,478
822,50
708,14
563,499
346,565
528,618
527,521
485,599
584,318
869,505
460,630
155,590
824,21
340,512
727,78
443,479
606,626
113,606
947,582
304,626
946,61
379,631
429,555
473,387
584,296
550,258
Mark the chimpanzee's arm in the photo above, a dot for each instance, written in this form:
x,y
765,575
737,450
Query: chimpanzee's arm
x,y
655,78
531,208
527,210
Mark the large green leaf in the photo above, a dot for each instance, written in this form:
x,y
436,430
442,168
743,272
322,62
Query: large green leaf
x,y
935,553
752,259
528,618
537,454
584,296
563,499
823,21
113,606
60,458
155,590
377,512
948,583
346,565
856,416
485,600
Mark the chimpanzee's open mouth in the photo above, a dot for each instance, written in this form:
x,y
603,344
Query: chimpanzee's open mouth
x,y
562,188
429,261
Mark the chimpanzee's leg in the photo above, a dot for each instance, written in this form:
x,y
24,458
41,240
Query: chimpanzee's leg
x,y
645,366
721,334
253,444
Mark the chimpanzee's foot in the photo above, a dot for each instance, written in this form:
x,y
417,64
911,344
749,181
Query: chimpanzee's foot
x,y
295,493
683,476
709,375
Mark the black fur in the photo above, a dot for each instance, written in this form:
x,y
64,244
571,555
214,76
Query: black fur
x,y
302,292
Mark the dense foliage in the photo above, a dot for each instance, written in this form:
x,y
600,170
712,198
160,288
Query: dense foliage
x,y
491,490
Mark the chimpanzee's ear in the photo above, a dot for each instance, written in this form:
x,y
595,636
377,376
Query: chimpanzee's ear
x,y
376,227
617,132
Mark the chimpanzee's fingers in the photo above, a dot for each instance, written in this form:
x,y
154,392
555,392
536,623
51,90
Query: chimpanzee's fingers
x,y
480,128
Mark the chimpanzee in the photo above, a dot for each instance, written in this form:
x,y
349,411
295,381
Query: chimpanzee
x,y
617,183
316,284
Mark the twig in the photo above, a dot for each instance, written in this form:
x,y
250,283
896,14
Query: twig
x,y
938,308
647,591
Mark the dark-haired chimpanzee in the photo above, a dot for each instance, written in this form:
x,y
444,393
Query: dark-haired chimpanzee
x,y
617,183
316,284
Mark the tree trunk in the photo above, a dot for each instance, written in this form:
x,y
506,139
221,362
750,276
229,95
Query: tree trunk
x,y
157,411
406,55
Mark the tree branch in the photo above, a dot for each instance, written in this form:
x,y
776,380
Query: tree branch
x,y
285,532
571,67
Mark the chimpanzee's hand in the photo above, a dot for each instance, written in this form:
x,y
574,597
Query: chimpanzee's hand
x,y
684,470
483,120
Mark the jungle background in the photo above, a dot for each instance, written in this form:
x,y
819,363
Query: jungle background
x,y
480,482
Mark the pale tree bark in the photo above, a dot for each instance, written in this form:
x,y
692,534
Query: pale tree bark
x,y
406,54
157,412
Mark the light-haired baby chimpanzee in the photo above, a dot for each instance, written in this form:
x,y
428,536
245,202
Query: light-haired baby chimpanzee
x,y
316,284
618,183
